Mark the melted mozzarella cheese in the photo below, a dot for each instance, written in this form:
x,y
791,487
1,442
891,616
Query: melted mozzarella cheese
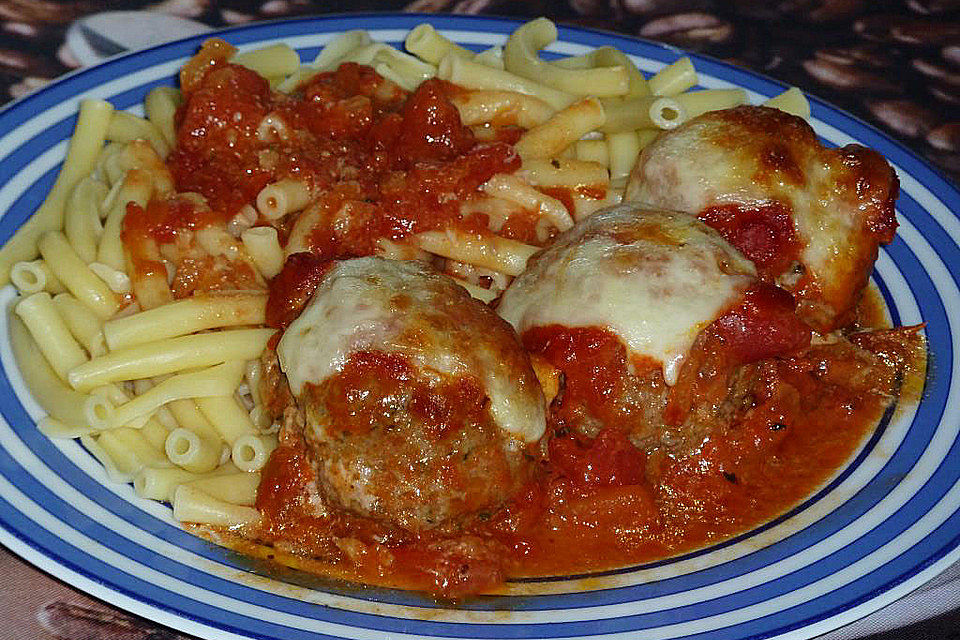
x,y
753,156
372,304
705,163
654,279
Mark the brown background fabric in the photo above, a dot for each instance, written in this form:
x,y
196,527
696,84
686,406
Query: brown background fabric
x,y
894,63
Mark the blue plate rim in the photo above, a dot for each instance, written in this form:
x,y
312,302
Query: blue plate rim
x,y
450,23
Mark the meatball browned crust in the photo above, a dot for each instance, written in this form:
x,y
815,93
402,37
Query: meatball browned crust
x,y
418,402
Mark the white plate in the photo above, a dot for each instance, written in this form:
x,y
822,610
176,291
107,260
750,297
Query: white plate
x,y
888,522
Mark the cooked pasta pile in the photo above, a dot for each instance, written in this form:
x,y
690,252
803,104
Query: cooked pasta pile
x,y
151,347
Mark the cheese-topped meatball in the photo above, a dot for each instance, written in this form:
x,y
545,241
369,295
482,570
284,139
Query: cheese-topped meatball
x,y
418,401
655,279
647,313
810,218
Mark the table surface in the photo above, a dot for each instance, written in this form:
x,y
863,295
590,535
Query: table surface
x,y
894,63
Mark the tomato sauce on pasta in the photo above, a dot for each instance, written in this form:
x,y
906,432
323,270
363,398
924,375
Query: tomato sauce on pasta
x,y
384,163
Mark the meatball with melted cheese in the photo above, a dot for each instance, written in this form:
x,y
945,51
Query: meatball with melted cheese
x,y
648,314
811,218
418,402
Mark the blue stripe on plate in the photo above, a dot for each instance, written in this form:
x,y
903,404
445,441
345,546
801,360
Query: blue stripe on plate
x,y
43,541
26,203
888,300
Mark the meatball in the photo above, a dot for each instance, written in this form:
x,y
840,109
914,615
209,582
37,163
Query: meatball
x,y
811,218
420,405
653,278
648,314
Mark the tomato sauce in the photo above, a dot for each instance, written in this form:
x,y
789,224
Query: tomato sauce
x,y
341,545
599,501
138,225
162,220
292,288
594,362
599,507
383,163
763,233
364,394
217,138
763,325
566,195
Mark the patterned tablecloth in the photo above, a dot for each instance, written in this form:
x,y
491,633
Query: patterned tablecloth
x,y
895,63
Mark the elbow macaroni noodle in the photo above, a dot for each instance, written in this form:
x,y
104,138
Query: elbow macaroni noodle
x,y
164,392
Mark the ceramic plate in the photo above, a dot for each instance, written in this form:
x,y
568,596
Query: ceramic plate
x,y
886,523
